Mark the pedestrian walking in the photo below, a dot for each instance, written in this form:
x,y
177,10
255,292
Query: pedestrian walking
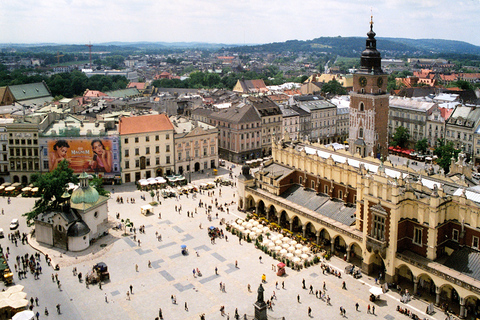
x,y
311,289
373,309
136,267
216,270
309,311
356,306
283,285
160,314
344,286
106,299
368,309
303,284
128,295
131,289
298,298
186,306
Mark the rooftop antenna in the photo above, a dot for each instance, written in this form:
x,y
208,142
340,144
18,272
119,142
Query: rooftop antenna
x,y
58,57
90,45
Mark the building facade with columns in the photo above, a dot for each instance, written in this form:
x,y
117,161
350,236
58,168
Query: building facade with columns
x,y
395,223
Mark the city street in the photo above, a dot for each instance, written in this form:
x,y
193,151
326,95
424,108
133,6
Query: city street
x,y
171,273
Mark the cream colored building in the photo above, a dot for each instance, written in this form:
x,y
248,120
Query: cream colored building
x,y
196,145
416,230
147,146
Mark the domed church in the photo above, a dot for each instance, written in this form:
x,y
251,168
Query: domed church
x,y
83,216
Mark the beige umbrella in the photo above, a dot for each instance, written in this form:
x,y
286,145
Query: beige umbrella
x,y
26,189
286,239
293,242
15,288
18,295
298,246
9,188
285,246
274,238
278,242
255,223
296,260
17,304
291,249
259,231
283,252
249,226
2,187
298,252
289,255
304,256
271,244
277,248
4,303
305,249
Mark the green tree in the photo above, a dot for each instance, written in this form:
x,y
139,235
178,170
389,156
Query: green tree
x,y
51,186
445,151
333,87
400,138
422,145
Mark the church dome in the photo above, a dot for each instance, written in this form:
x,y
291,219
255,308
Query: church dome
x,y
78,229
85,195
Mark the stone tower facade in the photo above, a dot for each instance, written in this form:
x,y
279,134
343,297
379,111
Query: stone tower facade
x,y
369,104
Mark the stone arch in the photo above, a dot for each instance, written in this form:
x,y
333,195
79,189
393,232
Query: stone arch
x,y
355,255
309,231
448,296
249,202
405,277
24,180
272,213
340,246
472,306
296,224
16,179
283,220
260,209
324,237
376,266
426,285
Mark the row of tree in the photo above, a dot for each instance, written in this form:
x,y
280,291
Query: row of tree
x,y
444,150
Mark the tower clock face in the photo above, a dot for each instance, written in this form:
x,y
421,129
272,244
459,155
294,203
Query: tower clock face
x,y
379,82
362,81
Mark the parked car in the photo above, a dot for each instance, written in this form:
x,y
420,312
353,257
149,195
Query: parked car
x,y
14,224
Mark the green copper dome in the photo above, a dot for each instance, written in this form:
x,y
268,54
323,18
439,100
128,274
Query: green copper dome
x,y
85,193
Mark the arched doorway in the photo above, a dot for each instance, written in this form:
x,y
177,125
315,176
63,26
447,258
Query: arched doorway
x,y
404,278
340,246
180,169
472,308
159,172
24,180
284,221
376,266
16,179
272,214
249,204
261,209
324,238
449,299
356,255
426,287
310,232
296,225
2,180
197,166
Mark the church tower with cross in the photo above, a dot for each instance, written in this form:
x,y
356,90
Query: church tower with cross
x,y
369,104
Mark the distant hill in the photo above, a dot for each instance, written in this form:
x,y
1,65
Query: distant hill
x,y
351,46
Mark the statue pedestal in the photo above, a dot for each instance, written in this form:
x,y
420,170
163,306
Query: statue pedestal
x,y
260,310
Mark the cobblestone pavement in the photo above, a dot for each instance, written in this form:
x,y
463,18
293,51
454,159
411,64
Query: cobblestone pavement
x,y
171,272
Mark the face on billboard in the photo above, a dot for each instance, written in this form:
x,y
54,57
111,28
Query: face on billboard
x,y
93,156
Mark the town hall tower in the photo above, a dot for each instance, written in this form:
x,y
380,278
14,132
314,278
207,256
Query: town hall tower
x,y
369,101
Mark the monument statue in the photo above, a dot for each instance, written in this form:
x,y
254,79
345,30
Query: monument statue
x,y
260,294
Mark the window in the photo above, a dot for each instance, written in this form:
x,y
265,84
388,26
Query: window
x,y
127,164
137,163
167,136
196,153
147,161
455,235
340,194
157,137
157,149
204,151
326,190
313,184
475,242
300,180
157,161
168,160
127,177
136,139
417,236
179,156
167,148
378,231
360,133
147,150
95,214
212,150
137,151
127,153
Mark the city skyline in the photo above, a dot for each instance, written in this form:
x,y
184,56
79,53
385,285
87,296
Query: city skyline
x,y
247,22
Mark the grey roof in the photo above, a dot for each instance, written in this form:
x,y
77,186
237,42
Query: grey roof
x,y
466,261
246,114
316,105
288,112
275,171
265,106
334,209
300,111
123,93
467,113
78,229
30,91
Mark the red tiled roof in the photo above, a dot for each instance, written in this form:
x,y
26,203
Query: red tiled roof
x,y
143,124
445,112
93,94
138,85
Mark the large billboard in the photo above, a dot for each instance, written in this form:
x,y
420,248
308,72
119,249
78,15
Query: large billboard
x,y
94,155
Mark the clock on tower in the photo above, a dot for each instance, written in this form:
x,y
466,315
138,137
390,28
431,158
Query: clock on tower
x,y
368,125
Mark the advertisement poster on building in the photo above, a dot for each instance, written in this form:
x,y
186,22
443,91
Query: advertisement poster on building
x,y
94,155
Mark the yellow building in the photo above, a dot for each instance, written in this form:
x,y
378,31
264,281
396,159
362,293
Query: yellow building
x,y
397,224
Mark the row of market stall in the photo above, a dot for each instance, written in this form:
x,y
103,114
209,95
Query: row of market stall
x,y
14,189
189,188
282,245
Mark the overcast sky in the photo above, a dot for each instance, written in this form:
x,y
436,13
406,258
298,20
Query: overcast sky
x,y
241,21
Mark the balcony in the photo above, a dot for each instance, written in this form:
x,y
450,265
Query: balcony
x,y
377,246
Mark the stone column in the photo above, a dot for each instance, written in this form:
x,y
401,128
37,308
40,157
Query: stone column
x,y
349,249
332,247
304,230
415,285
462,308
437,296
267,214
291,225
278,219
318,237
